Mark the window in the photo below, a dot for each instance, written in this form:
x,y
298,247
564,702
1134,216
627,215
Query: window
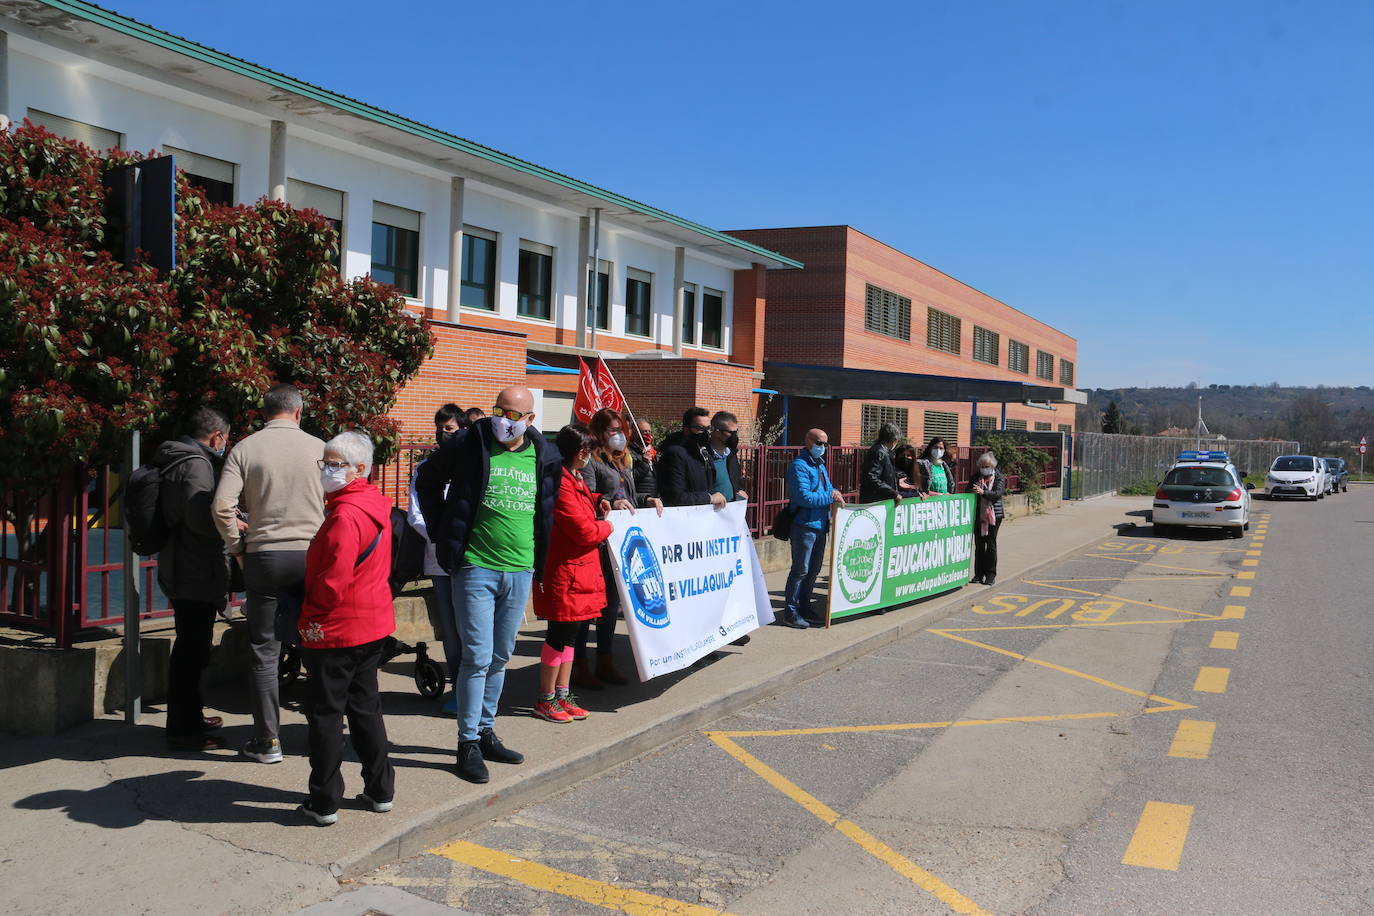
x,y
479,269
1018,357
1065,372
944,424
639,302
1044,365
871,416
887,313
985,422
97,138
396,247
1065,428
1041,426
1016,424
214,177
555,411
713,318
985,345
302,195
942,331
599,310
689,313
534,286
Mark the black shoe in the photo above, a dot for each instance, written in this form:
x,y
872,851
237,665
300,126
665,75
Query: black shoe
x,y
976,580
795,621
470,765
989,580
742,641
200,742
492,749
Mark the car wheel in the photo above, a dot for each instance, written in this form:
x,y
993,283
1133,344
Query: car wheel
x,y
1236,531
1246,526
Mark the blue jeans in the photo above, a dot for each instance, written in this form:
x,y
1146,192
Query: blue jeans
x,y
808,553
488,606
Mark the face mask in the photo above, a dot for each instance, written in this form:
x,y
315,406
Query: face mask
x,y
732,441
219,452
444,435
818,451
937,453
616,441
333,479
507,430
987,472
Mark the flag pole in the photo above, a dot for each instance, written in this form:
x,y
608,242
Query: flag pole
x,y
644,446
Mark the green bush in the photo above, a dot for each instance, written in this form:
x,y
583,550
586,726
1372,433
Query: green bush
x,y
1018,458
1139,488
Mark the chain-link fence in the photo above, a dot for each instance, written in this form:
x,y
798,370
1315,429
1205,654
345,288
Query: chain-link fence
x,y
1106,462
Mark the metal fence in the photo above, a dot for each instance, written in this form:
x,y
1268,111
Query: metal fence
x,y
1106,462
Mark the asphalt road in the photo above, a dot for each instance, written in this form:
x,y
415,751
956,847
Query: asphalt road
x,y
1152,725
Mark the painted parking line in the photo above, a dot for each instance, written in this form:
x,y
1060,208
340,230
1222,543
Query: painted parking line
x,y
1224,639
1233,611
1211,680
1249,562
1193,739
1246,574
1159,836
1254,553
543,878
1240,591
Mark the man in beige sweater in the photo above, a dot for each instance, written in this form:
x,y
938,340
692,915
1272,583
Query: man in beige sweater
x,y
273,478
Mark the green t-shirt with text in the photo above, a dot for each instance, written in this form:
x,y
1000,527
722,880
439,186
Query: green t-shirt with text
x,y
502,537
938,483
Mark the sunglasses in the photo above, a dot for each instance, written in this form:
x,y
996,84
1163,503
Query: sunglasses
x,y
514,416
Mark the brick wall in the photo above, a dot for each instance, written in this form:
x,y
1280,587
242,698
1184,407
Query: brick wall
x,y
469,367
661,389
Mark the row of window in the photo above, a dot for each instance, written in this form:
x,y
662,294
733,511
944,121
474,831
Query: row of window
x,y
396,248
942,423
888,313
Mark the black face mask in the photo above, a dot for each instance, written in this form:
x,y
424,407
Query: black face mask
x,y
702,437
732,443
444,435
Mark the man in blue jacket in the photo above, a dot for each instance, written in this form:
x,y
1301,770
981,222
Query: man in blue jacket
x,y
488,500
810,493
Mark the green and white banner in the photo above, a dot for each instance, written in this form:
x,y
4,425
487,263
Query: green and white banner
x,y
888,554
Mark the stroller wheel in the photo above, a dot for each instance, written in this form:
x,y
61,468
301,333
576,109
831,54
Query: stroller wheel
x,y
429,678
288,666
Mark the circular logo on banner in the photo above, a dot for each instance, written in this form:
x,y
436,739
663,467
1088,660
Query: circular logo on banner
x,y
644,579
859,553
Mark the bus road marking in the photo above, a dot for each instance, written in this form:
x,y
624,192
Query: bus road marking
x,y
1211,680
1224,639
1159,836
1193,739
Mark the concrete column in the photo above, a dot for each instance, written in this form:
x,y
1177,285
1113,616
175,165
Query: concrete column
x,y
455,248
586,288
679,263
596,260
5,119
276,162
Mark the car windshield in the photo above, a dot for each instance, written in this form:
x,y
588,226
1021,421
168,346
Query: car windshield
x,y
1335,464
1198,477
1292,464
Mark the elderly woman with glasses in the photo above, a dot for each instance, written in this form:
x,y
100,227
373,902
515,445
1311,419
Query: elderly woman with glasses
x,y
345,617
988,485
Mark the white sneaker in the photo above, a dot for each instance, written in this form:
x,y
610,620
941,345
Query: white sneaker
x,y
380,807
263,750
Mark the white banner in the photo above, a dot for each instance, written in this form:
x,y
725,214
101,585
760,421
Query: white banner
x,y
689,582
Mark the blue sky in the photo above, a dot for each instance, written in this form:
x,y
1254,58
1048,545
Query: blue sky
x,y
1183,186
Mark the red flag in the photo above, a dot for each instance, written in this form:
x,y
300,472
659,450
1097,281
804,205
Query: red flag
x,y
588,400
607,389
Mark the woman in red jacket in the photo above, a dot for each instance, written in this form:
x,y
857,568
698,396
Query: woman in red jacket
x,y
345,617
573,589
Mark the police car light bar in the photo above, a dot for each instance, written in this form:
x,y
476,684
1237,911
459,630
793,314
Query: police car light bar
x,y
1203,456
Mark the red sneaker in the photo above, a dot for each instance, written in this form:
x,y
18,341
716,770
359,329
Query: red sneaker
x,y
551,712
569,706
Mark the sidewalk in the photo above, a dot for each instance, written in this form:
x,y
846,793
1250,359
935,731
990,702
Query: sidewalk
x,y
103,819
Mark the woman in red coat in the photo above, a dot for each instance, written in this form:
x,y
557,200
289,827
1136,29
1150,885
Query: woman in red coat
x,y
573,589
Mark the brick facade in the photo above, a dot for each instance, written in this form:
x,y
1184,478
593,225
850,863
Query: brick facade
x,y
469,367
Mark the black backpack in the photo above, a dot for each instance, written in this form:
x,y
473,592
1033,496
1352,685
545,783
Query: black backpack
x,y
144,524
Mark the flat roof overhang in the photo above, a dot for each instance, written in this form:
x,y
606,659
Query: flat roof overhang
x,y
844,384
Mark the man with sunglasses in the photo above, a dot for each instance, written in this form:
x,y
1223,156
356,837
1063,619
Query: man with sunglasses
x,y
491,532
701,466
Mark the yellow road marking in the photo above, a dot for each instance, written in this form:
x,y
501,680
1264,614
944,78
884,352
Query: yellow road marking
x,y
1211,680
912,726
1139,562
1254,553
1193,739
866,841
1247,574
1249,562
1159,836
1066,626
541,877
1240,591
1224,639
1049,583
1236,611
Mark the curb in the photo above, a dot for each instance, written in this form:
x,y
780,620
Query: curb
x,y
421,834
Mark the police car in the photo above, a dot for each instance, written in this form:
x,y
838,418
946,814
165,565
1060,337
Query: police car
x,y
1202,489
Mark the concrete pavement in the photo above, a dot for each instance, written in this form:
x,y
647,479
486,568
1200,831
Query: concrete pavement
x,y
217,832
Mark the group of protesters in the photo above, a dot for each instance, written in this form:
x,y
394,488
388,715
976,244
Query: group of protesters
x,y
506,516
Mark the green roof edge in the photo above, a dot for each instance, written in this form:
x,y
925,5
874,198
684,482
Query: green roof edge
x,y
135,29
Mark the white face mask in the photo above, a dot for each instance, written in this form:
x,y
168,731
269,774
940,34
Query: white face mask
x,y
507,430
616,441
937,453
987,472
334,479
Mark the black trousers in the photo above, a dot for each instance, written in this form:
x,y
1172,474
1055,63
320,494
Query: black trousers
x,y
195,629
985,550
343,682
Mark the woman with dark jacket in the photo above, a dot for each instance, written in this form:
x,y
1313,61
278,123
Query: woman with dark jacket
x,y
573,589
345,617
610,476
988,485
937,475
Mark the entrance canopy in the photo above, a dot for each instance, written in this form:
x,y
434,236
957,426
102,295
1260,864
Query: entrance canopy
x,y
837,383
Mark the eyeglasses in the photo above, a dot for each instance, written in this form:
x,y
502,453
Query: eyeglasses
x,y
332,465
514,416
